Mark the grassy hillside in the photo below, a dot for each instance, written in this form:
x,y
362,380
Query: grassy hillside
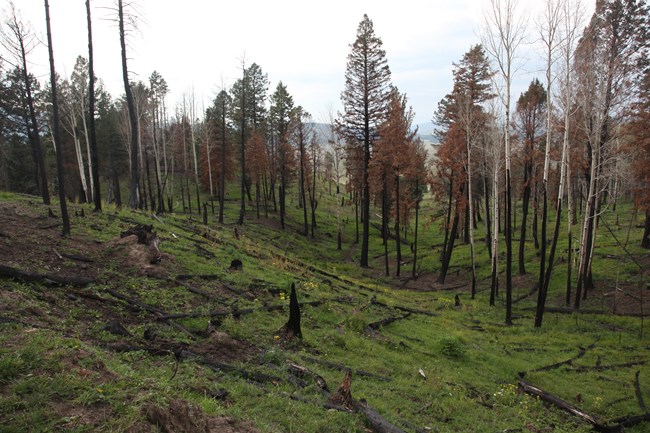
x,y
188,345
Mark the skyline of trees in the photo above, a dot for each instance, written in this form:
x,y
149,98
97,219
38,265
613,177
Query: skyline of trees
x,y
566,140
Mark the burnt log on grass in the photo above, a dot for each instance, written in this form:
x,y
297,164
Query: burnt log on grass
x,y
301,372
339,367
556,401
614,425
195,290
383,322
116,328
553,366
150,309
638,393
582,368
343,397
234,313
181,353
77,258
374,301
48,279
199,276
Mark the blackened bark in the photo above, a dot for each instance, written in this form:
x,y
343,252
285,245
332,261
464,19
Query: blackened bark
x,y
91,115
65,219
524,218
133,120
645,241
292,327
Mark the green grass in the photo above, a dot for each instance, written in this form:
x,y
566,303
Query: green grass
x,y
53,377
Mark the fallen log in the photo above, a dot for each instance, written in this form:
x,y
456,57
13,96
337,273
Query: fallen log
x,y
639,394
49,279
248,375
569,361
383,322
343,397
195,290
375,420
149,308
582,369
135,302
74,257
340,367
613,426
235,313
201,276
406,309
557,402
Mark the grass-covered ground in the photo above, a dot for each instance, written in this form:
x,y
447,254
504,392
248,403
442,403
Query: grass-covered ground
x,y
207,351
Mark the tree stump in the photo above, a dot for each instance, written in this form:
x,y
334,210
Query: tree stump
x,y
236,265
343,395
292,327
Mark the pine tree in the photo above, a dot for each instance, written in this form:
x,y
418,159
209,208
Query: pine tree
x,y
280,115
529,120
365,106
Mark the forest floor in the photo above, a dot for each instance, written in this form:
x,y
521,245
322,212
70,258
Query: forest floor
x,y
101,333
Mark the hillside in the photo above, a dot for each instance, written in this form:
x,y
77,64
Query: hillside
x,y
101,333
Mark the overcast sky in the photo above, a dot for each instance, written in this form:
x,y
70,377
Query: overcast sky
x,y
199,44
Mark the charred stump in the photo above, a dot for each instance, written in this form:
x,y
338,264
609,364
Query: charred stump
x,y
292,327
236,265
343,395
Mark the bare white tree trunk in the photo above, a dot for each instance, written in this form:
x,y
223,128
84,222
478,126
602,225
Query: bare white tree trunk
x,y
70,125
193,145
206,130
84,109
504,32
548,28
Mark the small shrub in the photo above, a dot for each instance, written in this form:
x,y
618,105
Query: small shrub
x,y
452,347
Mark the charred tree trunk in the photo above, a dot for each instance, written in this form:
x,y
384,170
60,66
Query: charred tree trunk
x,y
448,220
449,247
415,235
134,191
645,241
222,175
488,233
398,246
65,219
292,327
35,135
524,218
91,115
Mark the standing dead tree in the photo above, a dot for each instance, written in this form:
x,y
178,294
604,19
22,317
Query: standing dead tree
x,y
57,133
18,39
503,34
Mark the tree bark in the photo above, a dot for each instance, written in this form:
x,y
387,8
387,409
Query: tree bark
x,y
94,162
134,190
60,170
